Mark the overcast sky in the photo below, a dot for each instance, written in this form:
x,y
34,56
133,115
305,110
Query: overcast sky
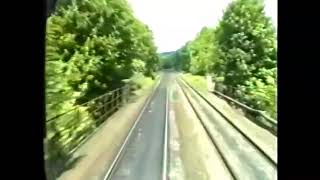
x,y
174,22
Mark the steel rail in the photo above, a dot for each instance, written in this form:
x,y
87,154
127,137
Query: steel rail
x,y
267,157
116,160
223,158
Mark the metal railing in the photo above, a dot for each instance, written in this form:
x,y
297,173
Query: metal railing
x,y
259,112
74,126
269,123
66,132
108,97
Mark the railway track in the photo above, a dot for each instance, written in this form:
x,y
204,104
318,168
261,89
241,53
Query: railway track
x,y
244,159
142,156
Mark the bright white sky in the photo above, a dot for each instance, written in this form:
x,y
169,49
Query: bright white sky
x,y
174,22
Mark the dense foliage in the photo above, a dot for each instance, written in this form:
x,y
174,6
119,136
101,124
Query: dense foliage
x,y
91,46
183,58
240,53
178,60
202,51
168,60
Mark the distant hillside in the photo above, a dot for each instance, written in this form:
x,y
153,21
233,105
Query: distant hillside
x,y
167,53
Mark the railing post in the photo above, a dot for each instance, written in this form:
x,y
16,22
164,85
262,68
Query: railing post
x,y
210,84
113,102
125,91
123,100
105,99
116,98
119,98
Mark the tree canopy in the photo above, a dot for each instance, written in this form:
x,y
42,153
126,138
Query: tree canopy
x,y
91,47
240,53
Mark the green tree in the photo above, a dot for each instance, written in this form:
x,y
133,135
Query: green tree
x,y
97,44
241,54
91,46
247,53
183,58
202,52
